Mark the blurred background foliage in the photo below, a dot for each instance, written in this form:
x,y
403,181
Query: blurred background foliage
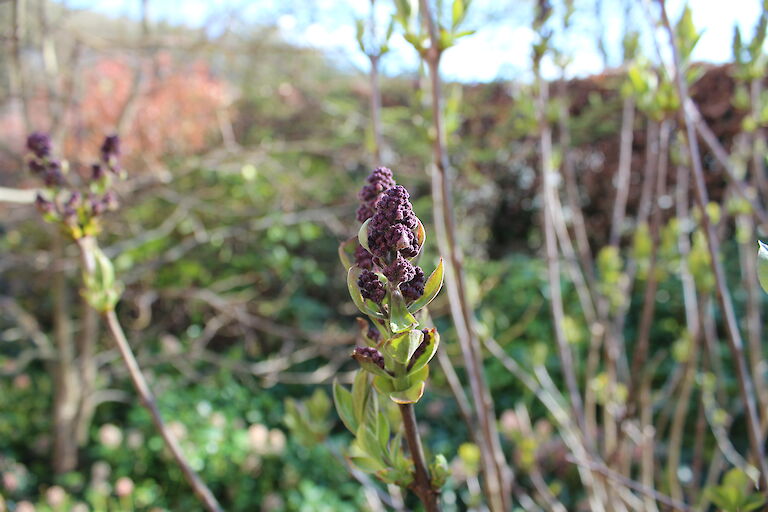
x,y
245,153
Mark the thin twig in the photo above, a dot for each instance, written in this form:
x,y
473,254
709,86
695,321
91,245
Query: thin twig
x,y
422,484
632,484
199,487
735,343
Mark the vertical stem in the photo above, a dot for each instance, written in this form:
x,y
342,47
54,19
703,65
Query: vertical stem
x,y
375,108
374,57
86,368
65,402
735,343
422,484
625,166
642,346
552,256
16,68
497,481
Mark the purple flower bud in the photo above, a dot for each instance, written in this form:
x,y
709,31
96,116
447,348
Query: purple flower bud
x,y
379,181
414,288
373,333
39,144
363,258
37,166
110,147
364,212
421,348
400,238
399,271
370,286
393,227
368,354
110,151
97,172
43,205
52,175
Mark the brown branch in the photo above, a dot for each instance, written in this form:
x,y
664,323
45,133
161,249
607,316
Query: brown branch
x,y
632,484
735,343
86,246
552,254
421,485
497,480
148,401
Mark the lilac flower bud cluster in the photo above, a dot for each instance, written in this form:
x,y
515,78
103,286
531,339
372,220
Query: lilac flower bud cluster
x,y
373,333
369,354
40,161
75,209
363,258
400,270
39,144
393,227
110,152
379,181
371,287
393,241
414,288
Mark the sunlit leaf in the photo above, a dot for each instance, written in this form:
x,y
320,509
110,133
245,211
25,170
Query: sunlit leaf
x,y
400,319
431,289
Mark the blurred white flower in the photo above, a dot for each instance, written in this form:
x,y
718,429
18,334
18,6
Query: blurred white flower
x,y
110,435
124,487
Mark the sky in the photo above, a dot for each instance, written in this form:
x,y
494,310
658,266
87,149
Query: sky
x,y
499,49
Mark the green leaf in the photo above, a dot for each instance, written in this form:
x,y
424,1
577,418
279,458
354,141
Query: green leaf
x,y
366,306
421,234
413,390
737,479
100,289
367,464
347,252
439,471
457,12
402,347
382,430
431,289
360,392
396,451
371,367
362,235
400,319
762,265
459,35
360,32
390,30
383,385
343,400
410,395
446,39
428,354
752,502
318,405
368,441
